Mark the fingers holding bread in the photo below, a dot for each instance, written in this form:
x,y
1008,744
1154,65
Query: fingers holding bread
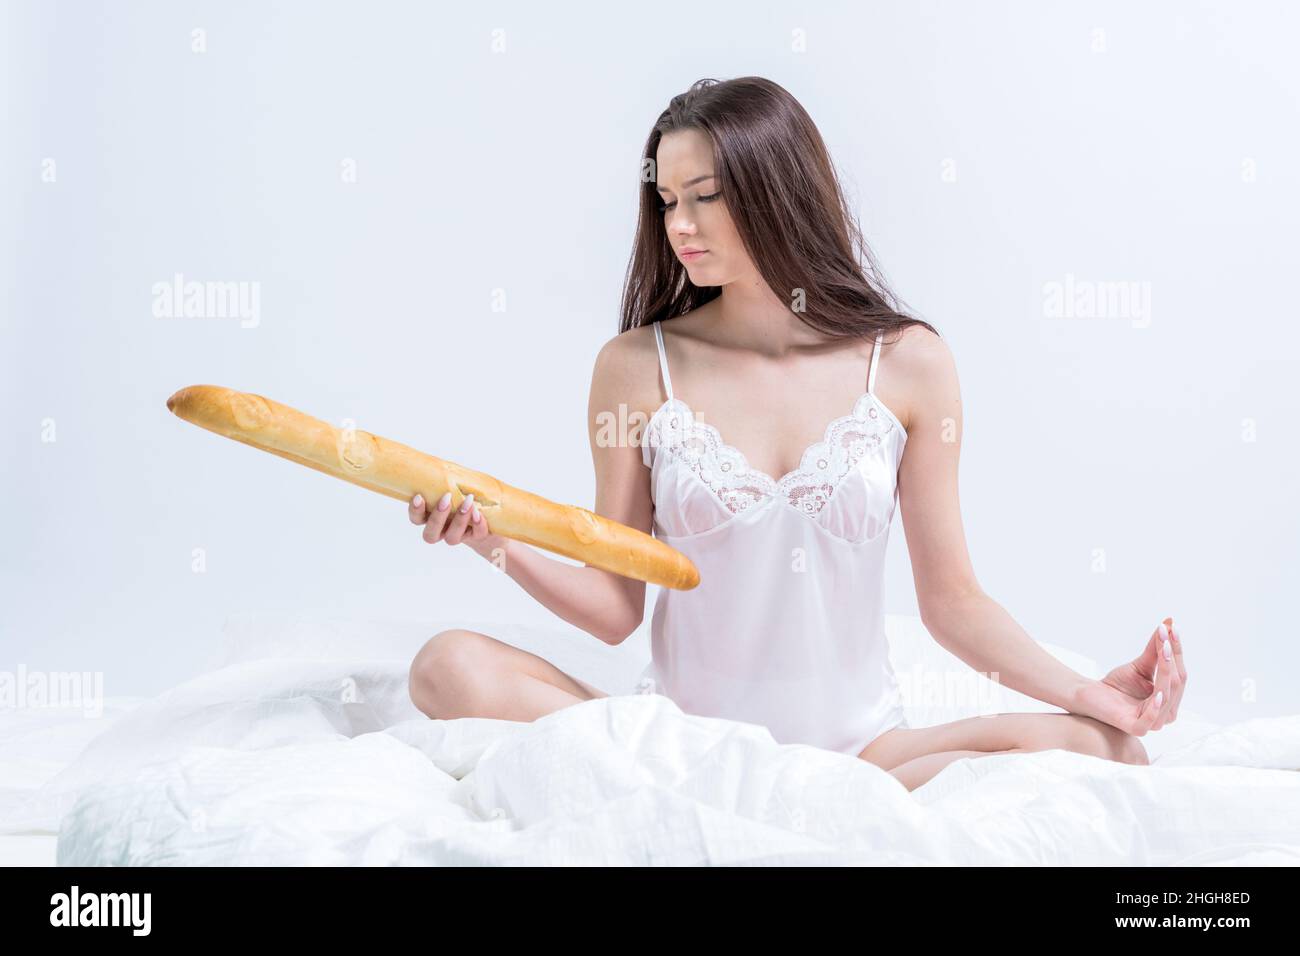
x,y
452,527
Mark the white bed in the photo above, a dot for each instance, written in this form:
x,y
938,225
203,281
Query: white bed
x,y
304,748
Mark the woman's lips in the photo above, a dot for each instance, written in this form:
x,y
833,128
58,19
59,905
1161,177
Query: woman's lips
x,y
691,256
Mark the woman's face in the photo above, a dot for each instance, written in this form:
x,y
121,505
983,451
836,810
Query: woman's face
x,y
694,212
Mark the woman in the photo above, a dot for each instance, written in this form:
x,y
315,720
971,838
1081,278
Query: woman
x,y
747,297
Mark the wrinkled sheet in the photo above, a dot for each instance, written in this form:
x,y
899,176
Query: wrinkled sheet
x,y
289,762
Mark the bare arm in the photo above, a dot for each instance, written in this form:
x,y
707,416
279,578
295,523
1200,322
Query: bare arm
x,y
954,608
605,605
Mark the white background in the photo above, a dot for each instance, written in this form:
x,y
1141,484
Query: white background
x,y
1164,149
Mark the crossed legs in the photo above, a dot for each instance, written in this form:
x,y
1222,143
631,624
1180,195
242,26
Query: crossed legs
x,y
461,673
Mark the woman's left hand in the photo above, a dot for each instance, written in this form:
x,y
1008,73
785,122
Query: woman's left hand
x,y
1143,694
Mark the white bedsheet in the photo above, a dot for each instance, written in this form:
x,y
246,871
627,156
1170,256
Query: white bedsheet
x,y
297,761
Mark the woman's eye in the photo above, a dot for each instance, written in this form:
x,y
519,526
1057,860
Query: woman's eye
x,y
664,207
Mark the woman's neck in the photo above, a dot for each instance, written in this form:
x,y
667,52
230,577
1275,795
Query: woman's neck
x,y
751,317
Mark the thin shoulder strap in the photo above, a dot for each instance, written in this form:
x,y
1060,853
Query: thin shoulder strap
x,y
663,360
875,357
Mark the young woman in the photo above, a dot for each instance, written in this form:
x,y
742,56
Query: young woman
x,y
747,303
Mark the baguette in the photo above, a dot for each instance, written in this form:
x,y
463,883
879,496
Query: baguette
x,y
400,472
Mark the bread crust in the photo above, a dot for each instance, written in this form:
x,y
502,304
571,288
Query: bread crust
x,y
399,471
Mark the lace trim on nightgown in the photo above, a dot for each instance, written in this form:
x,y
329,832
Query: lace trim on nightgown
x,y
728,474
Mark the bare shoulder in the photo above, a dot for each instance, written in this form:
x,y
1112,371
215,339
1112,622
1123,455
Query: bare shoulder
x,y
621,360
921,371
919,352
626,372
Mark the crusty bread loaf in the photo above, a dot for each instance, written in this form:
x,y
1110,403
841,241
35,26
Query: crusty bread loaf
x,y
398,471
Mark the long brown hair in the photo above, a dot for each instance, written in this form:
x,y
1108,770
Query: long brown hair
x,y
783,195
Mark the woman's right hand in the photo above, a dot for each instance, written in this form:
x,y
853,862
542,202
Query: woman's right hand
x,y
465,524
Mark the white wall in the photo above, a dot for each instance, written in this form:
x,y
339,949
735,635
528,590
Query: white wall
x,y
1162,151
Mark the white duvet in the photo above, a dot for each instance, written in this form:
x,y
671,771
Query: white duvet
x,y
291,761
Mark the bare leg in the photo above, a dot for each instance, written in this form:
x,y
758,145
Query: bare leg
x,y
996,733
919,770
461,673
